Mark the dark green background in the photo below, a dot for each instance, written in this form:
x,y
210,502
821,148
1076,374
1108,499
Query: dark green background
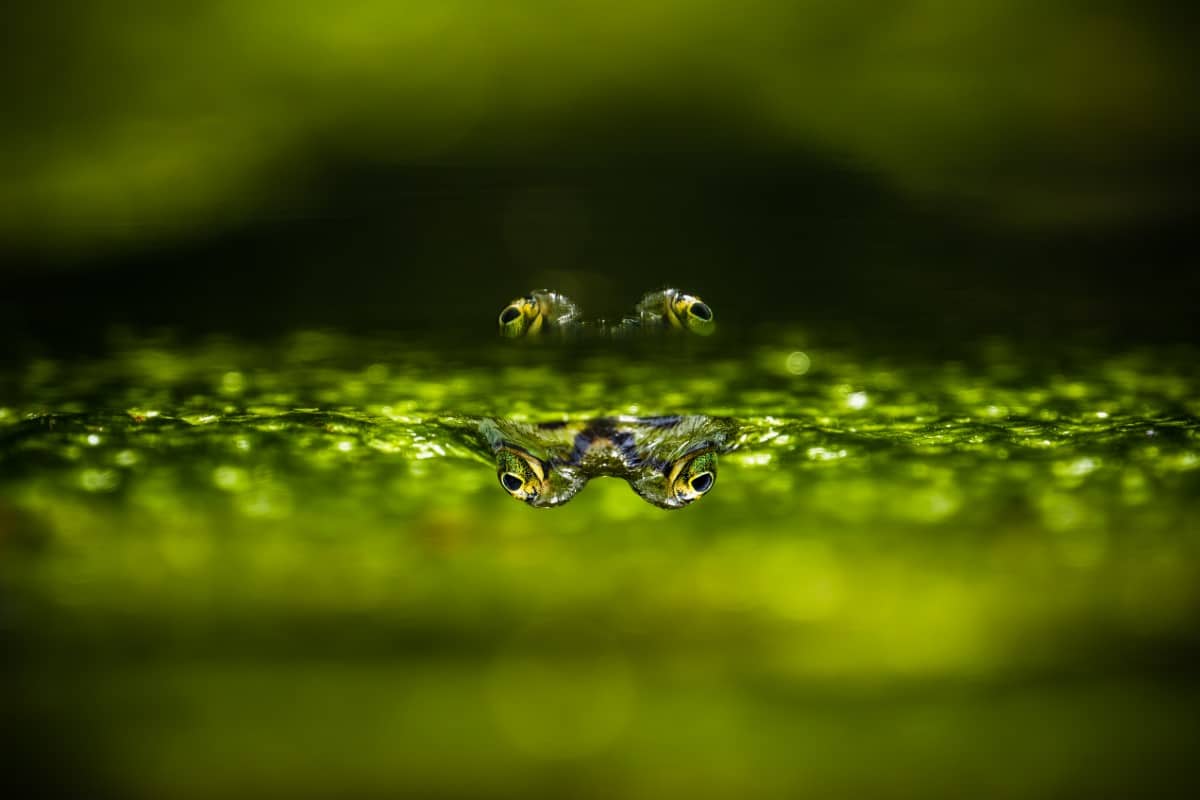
x,y
1023,168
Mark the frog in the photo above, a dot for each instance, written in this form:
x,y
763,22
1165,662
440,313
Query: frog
x,y
544,311
669,461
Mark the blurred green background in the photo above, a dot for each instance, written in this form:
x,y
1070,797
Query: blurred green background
x,y
223,165
251,258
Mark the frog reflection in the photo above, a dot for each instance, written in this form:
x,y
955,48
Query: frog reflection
x,y
669,461
542,311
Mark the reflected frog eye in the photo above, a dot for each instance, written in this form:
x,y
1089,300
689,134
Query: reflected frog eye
x,y
693,476
701,483
520,474
694,314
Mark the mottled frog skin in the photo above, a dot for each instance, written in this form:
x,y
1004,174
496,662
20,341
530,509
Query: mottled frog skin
x,y
543,311
669,461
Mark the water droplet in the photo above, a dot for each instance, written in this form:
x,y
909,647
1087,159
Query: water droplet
x,y
99,480
798,363
231,479
232,383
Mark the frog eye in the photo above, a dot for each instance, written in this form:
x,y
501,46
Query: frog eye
x,y
520,474
694,314
521,317
702,483
692,476
512,320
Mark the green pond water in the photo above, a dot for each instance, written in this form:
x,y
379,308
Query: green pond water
x,y
288,569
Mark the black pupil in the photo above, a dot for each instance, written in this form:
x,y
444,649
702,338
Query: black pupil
x,y
702,482
702,311
511,482
509,314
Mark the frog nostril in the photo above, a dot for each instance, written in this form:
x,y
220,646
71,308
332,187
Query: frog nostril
x,y
511,482
702,311
509,314
702,482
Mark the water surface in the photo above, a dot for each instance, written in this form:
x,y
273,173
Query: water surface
x,y
231,564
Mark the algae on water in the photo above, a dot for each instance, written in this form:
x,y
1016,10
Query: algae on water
x,y
297,542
